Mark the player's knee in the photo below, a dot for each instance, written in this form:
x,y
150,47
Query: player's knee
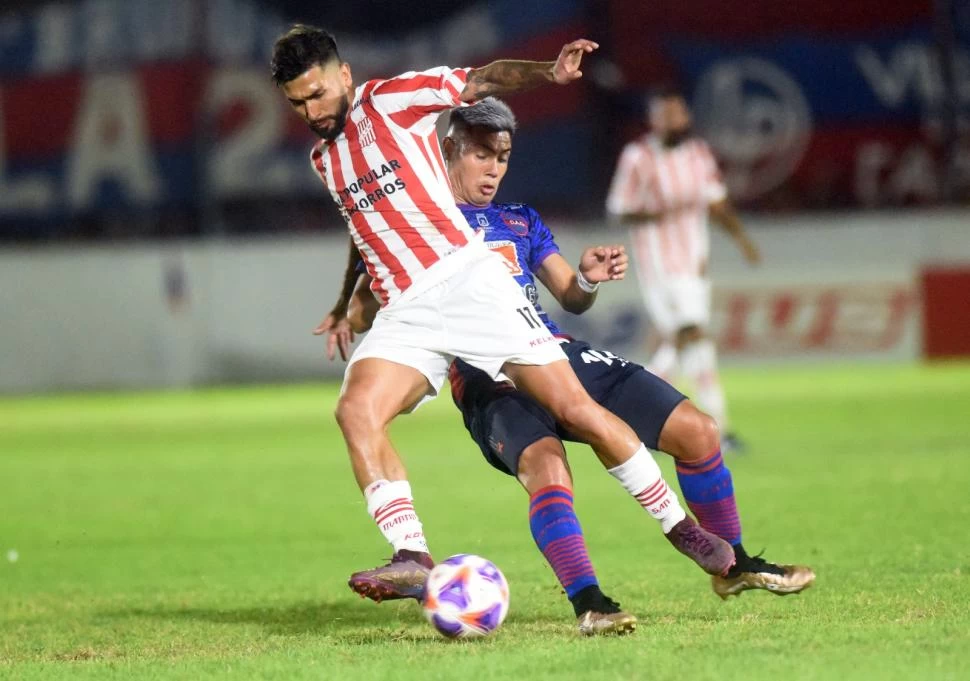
x,y
689,434
355,414
580,416
705,436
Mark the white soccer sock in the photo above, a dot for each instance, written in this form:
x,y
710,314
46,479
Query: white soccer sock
x,y
641,477
664,362
699,363
391,506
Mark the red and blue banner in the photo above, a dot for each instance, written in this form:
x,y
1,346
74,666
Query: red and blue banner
x,y
118,107
121,106
809,103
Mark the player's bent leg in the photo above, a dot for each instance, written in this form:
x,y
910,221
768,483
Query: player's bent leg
x,y
544,472
692,438
556,387
617,446
646,403
374,392
689,435
543,464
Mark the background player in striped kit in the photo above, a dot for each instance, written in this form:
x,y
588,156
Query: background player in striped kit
x,y
442,293
666,185
520,438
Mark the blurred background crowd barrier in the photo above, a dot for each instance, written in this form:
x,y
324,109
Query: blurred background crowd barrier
x,y
160,224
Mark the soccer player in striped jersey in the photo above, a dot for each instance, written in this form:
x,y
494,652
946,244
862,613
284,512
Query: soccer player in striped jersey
x,y
442,292
521,439
666,185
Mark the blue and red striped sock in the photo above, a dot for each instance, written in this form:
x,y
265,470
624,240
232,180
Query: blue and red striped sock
x,y
558,535
709,491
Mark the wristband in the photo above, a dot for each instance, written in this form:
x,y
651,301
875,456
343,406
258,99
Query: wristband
x,y
584,284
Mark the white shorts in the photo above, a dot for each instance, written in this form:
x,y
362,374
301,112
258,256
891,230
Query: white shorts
x,y
677,302
478,314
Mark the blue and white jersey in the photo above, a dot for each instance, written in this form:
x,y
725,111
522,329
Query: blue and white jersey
x,y
516,231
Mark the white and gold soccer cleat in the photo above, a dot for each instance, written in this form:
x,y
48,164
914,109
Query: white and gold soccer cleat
x,y
757,573
601,624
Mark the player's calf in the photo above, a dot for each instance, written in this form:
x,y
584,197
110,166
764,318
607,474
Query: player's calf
x,y
692,438
544,473
558,535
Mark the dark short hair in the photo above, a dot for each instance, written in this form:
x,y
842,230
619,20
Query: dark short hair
x,y
300,49
491,113
665,91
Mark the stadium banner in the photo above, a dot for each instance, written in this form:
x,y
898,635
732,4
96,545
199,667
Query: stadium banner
x,y
843,288
777,313
166,105
779,129
807,103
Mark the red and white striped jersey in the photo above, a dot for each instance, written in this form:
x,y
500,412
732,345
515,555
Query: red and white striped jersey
x,y
387,176
676,186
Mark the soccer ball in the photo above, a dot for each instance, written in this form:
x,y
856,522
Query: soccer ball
x,y
466,596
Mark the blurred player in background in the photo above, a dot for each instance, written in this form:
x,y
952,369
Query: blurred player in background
x,y
521,439
665,187
442,293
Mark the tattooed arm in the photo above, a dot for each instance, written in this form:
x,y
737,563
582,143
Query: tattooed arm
x,y
350,281
507,76
336,322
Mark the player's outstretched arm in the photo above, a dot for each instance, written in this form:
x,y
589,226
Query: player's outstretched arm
x,y
724,214
508,75
576,290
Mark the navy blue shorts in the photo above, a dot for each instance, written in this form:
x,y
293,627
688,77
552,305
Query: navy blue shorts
x,y
504,422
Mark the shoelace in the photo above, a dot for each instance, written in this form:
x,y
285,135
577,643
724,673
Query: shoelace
x,y
756,563
390,561
610,606
397,558
757,560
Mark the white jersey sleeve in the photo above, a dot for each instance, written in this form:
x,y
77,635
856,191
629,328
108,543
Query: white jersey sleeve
x,y
626,193
430,91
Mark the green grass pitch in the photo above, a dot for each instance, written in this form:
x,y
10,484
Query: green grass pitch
x,y
210,535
